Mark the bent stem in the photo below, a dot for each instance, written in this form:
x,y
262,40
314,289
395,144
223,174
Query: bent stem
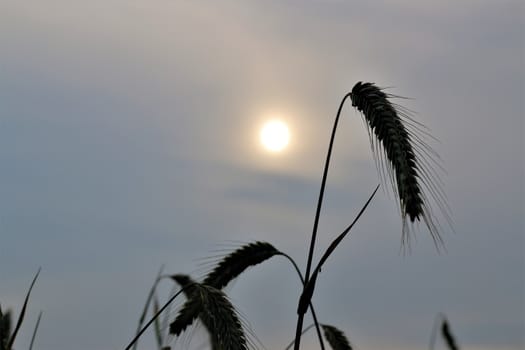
x,y
300,317
35,330
148,301
314,315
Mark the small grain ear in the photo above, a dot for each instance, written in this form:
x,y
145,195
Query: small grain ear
x,y
217,313
230,267
336,338
402,155
233,264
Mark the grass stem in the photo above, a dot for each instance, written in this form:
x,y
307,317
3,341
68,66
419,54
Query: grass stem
x,y
157,314
300,316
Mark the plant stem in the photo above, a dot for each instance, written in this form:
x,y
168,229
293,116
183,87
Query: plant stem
x,y
300,317
23,312
314,316
148,300
339,238
35,330
157,314
303,332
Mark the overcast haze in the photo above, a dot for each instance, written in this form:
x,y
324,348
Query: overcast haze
x,y
128,140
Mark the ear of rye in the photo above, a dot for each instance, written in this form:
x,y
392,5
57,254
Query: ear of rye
x,y
239,260
217,313
336,338
230,267
405,166
185,282
189,312
225,328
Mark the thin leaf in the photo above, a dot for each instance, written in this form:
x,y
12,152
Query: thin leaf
x,y
148,301
156,325
447,336
157,314
35,331
306,296
22,313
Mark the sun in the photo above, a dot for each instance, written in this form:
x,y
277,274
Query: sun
x,y
275,135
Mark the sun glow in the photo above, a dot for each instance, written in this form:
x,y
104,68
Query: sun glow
x,y
275,135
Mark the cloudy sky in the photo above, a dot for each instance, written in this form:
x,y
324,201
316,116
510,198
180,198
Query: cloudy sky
x,y
129,140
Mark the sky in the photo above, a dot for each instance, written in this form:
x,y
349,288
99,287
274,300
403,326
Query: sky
x,y
129,141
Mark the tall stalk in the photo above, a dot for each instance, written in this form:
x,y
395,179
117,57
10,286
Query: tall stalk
x,y
300,317
406,160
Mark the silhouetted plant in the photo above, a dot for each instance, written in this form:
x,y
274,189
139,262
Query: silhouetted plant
x,y
405,169
336,338
5,328
448,337
7,339
235,263
403,158
441,322
216,311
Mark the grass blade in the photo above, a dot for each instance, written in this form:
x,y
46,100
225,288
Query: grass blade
x,y
447,336
156,324
441,323
154,317
35,331
306,296
22,313
148,301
